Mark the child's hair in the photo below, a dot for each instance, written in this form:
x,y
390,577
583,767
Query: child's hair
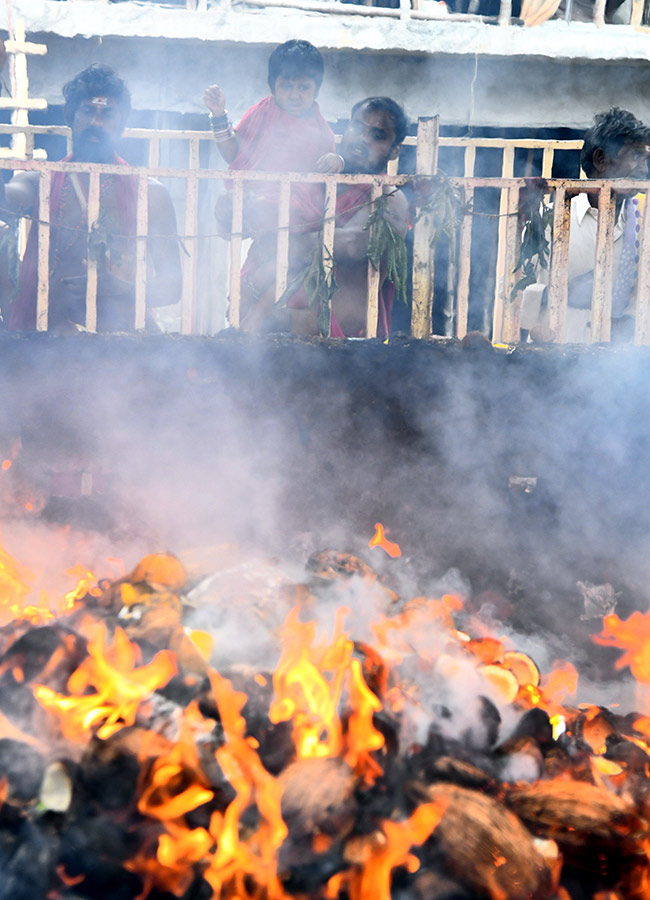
x,y
296,59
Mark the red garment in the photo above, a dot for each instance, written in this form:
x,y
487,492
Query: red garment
x,y
22,316
272,140
347,204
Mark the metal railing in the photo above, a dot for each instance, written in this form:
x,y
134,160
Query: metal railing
x,y
505,313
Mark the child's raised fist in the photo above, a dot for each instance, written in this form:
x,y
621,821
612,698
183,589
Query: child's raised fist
x,y
215,99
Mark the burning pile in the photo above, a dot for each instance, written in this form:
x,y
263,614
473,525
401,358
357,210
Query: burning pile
x,y
425,763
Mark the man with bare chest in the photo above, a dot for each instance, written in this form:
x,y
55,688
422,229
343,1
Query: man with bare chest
x,y
373,137
97,104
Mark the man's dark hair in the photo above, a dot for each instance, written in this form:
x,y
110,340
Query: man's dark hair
x,y
394,110
611,131
95,81
296,59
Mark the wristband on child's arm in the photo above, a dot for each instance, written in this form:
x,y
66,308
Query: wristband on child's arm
x,y
222,129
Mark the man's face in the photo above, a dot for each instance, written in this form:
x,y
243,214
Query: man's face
x,y
369,142
96,129
631,161
295,95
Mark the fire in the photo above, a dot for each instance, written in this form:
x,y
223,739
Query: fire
x,y
120,685
633,636
306,696
235,858
380,540
373,882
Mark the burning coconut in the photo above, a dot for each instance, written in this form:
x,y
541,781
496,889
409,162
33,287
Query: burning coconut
x,y
422,758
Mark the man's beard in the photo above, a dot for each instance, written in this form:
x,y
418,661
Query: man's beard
x,y
359,164
86,149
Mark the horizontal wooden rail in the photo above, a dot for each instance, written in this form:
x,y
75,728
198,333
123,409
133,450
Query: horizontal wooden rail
x,y
501,269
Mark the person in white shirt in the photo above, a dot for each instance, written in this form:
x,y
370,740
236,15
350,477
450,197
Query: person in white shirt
x,y
616,146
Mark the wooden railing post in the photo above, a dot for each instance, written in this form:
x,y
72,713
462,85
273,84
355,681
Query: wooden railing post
x,y
642,323
426,164
511,305
43,271
507,171
91,284
141,231
601,303
374,275
505,12
558,283
237,226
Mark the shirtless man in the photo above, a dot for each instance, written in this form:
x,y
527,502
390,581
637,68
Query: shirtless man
x,y
374,136
97,104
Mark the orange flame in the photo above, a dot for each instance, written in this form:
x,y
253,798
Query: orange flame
x,y
373,883
380,540
633,636
120,686
362,736
256,856
302,692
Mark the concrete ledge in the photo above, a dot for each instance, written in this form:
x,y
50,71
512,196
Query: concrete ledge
x,y
553,40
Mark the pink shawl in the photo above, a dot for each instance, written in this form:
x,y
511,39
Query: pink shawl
x,y
22,316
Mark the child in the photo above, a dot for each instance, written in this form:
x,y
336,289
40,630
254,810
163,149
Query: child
x,y
284,132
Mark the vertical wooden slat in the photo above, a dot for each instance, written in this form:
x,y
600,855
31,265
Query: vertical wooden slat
x,y
470,161
599,13
282,251
547,162
91,285
195,153
464,263
189,263
425,164
374,277
507,171
154,152
329,226
642,323
636,16
601,304
505,12
511,307
235,253
558,280
43,271
142,229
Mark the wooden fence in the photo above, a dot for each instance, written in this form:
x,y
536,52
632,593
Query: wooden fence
x,y
500,313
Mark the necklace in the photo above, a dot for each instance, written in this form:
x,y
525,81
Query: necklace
x,y
60,248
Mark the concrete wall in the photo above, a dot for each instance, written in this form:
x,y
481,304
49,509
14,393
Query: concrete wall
x,y
481,90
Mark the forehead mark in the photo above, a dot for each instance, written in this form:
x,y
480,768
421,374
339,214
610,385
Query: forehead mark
x,y
99,101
